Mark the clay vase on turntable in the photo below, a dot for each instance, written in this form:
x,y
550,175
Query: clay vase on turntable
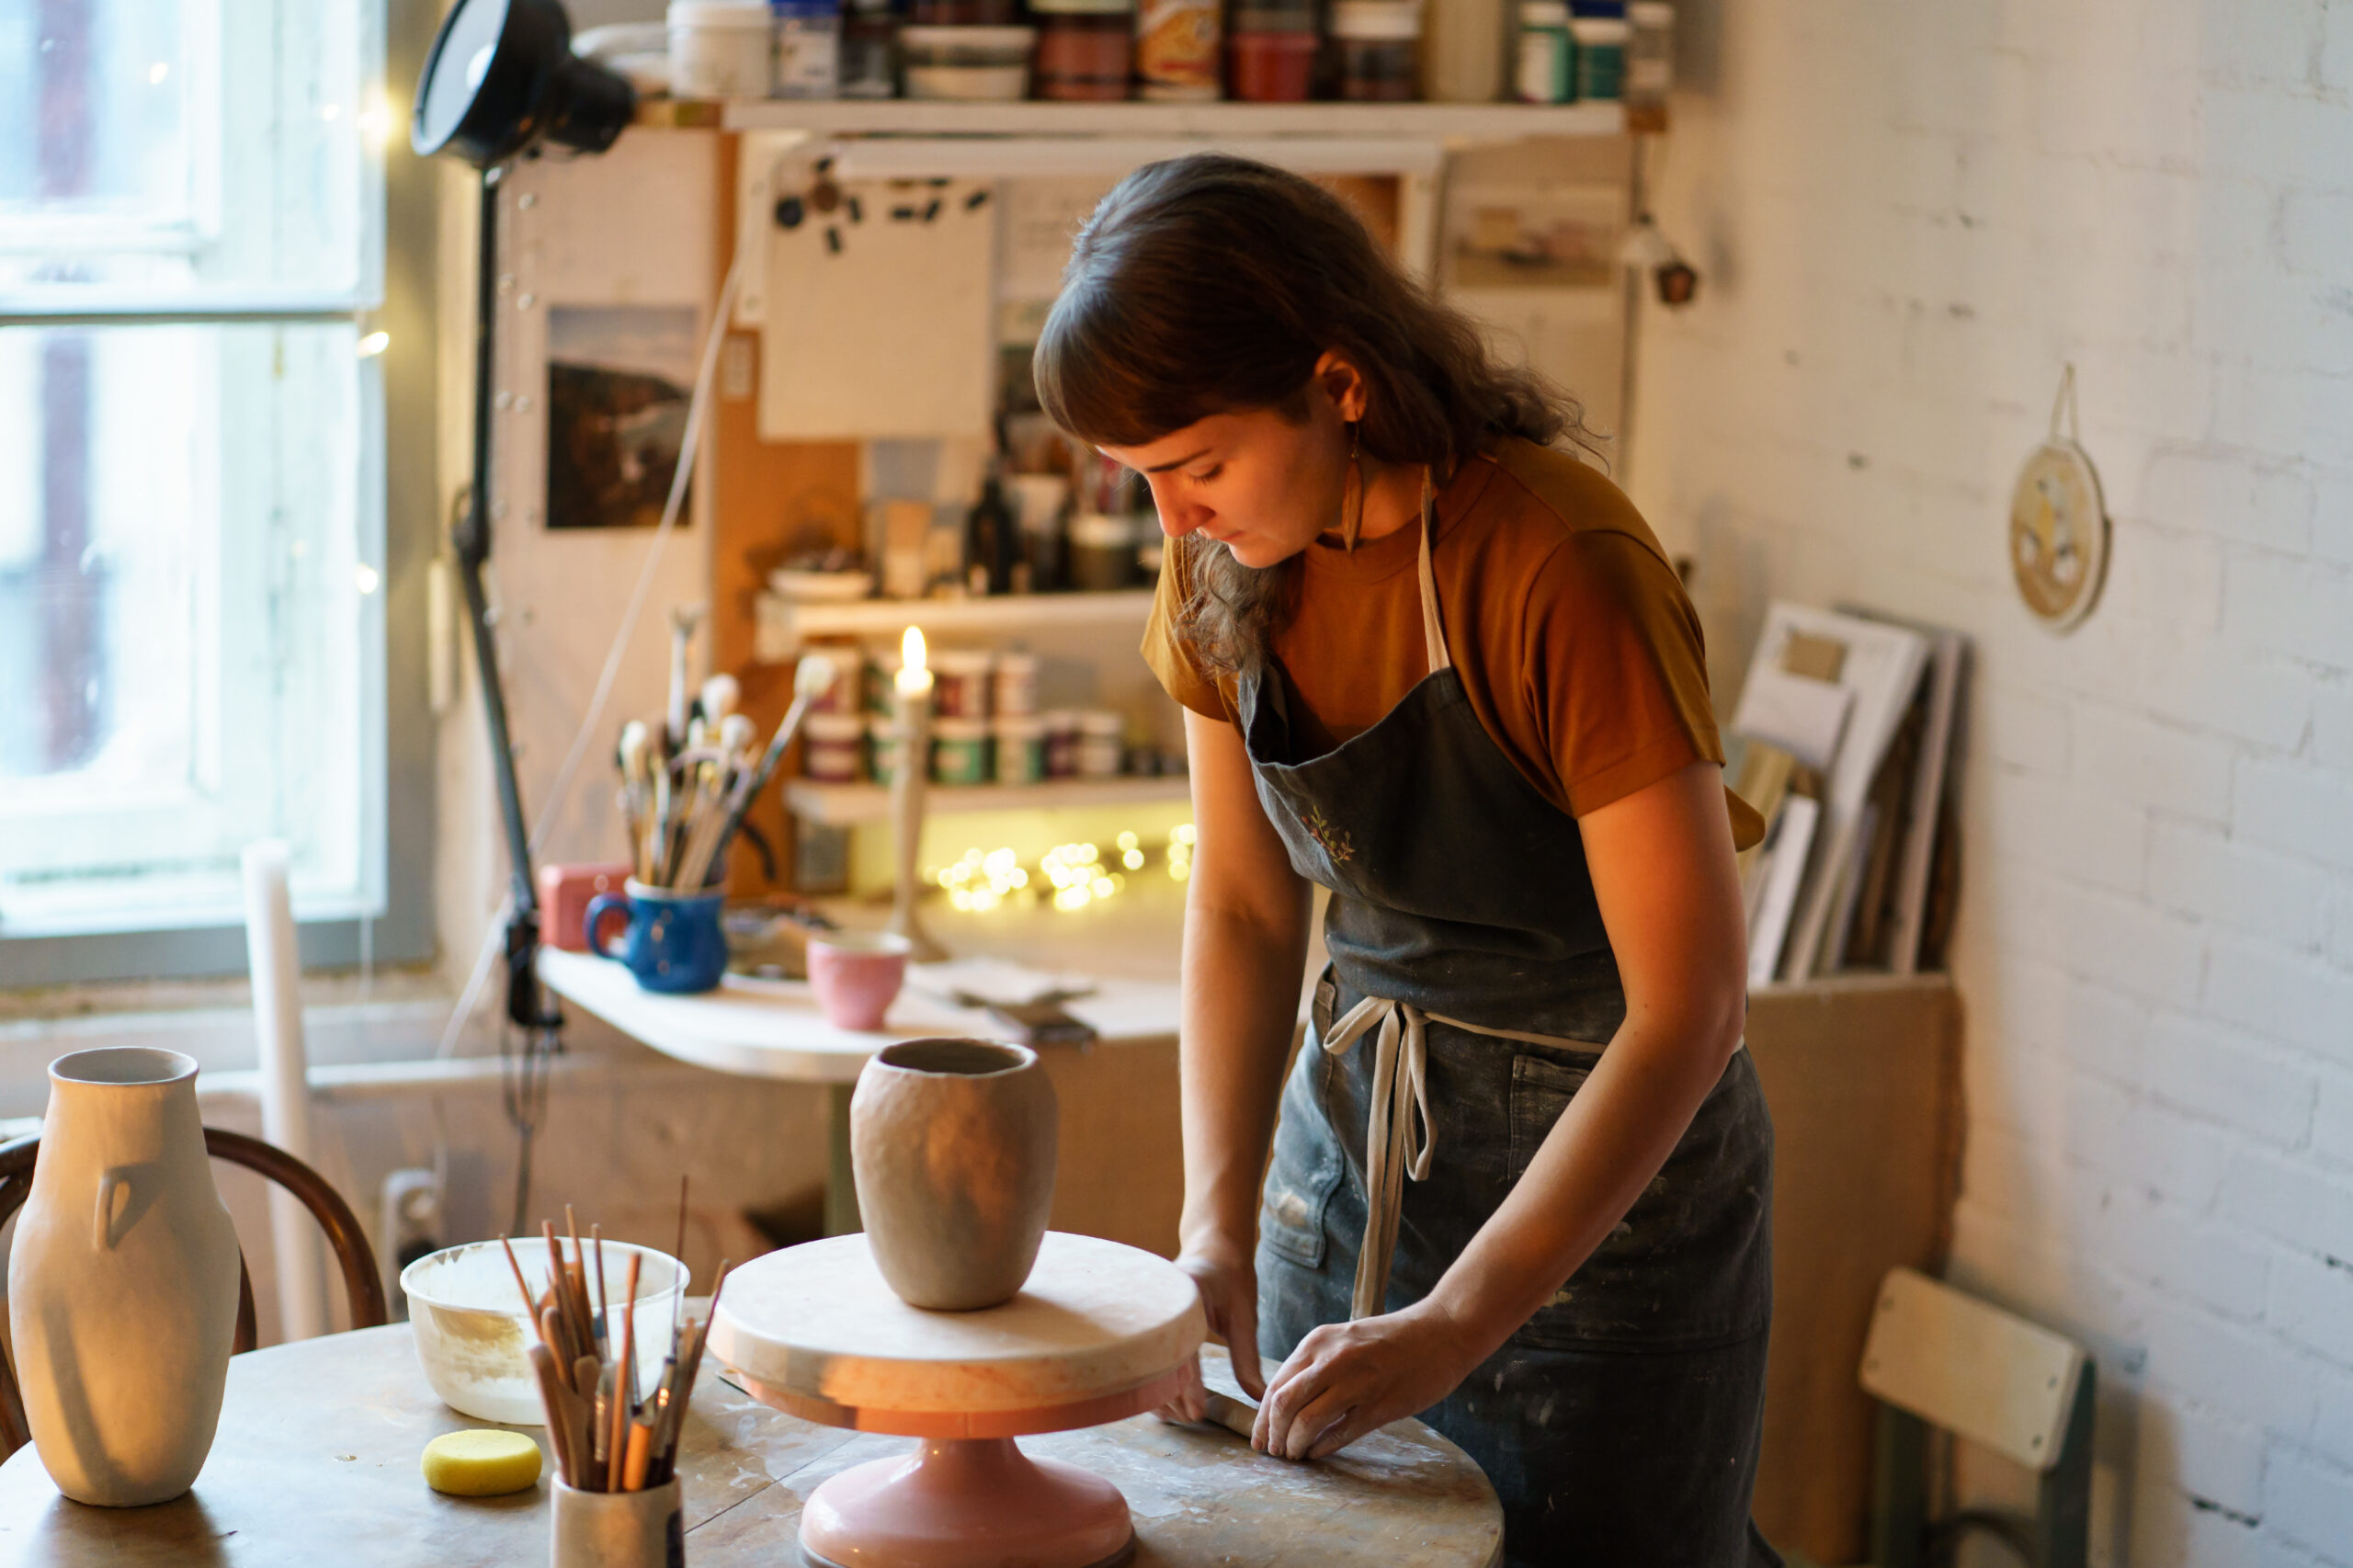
x,y
122,1283
952,1144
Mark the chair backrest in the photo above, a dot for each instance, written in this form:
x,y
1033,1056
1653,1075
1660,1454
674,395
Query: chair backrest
x,y
361,1284
1971,1367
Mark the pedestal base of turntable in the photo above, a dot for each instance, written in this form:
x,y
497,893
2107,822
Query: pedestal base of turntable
x,y
966,1503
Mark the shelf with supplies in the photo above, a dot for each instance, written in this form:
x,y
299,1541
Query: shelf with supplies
x,y
1207,121
785,625
845,805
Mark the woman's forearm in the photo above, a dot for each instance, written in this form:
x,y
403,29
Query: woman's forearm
x,y
1241,1003
1616,1132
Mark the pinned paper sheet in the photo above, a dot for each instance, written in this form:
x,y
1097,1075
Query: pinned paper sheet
x,y
881,325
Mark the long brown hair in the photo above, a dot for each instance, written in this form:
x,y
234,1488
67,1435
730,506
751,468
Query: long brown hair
x,y
1212,284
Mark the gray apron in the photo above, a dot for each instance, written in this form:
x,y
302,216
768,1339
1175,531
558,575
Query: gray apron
x,y
1470,989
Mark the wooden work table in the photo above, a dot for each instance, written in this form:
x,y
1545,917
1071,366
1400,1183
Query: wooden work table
x,y
316,1463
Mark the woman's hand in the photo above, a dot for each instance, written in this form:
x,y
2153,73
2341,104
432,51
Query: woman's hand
x,y
1229,1287
1348,1379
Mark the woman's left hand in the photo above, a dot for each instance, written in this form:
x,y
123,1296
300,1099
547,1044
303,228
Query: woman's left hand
x,y
1348,1379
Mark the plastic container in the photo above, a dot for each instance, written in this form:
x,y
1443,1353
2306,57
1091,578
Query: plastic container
x,y
1271,54
1601,55
832,748
1061,743
1101,744
869,66
1176,50
719,49
1084,48
1102,553
808,47
470,1334
1379,43
960,751
1013,686
961,683
1546,68
967,64
1020,748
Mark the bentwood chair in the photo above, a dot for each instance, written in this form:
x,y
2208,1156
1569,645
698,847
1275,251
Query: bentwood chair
x,y
361,1285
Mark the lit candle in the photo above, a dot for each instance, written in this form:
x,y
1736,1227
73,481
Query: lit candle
x,y
914,679
908,781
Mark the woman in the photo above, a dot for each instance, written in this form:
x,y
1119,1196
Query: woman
x,y
1522,1182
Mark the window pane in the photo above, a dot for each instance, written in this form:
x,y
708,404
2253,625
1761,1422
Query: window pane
x,y
202,149
187,602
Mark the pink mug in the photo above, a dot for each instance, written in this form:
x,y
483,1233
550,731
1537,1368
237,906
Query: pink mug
x,y
857,975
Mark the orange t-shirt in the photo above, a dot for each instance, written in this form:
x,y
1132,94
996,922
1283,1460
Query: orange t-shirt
x,y
1577,647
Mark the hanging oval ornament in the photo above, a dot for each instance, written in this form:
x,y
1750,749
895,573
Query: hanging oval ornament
x,y
2058,525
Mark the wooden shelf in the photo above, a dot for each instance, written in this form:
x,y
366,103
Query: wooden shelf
x,y
785,625
914,116
842,806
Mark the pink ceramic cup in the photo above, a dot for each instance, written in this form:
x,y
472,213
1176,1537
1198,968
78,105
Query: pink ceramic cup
x,y
857,976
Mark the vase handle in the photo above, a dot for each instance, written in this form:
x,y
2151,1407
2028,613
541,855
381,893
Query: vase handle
x,y
109,1183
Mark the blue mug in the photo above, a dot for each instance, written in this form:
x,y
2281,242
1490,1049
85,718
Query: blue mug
x,y
673,942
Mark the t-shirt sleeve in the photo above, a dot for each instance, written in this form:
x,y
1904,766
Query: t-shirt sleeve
x,y
1619,676
1164,649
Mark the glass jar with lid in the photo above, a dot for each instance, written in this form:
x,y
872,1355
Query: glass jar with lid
x,y
1084,49
1380,44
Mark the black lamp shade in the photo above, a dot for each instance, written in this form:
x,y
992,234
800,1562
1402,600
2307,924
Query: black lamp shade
x,y
502,76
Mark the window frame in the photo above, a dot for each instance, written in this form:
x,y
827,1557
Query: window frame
x,y
400,516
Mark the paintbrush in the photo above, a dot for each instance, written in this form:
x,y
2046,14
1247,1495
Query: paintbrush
x,y
809,682
683,621
709,808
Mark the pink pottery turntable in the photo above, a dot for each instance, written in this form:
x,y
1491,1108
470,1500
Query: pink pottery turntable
x,y
1101,1332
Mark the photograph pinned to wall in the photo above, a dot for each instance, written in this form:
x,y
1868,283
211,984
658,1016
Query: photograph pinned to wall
x,y
620,377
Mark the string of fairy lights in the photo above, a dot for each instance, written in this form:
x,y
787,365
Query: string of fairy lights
x,y
1069,876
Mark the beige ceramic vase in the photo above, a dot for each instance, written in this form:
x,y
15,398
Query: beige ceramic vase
x,y
122,1283
952,1142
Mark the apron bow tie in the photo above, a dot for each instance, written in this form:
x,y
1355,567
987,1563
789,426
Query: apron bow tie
x,y
1398,1140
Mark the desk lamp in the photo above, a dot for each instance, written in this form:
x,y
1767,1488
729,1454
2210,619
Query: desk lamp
x,y
501,81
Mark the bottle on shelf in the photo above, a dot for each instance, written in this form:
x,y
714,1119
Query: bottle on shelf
x,y
991,541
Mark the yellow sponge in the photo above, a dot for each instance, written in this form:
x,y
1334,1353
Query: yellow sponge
x,y
482,1463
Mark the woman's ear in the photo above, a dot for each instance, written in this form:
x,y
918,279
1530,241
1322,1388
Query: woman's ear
x,y
1337,375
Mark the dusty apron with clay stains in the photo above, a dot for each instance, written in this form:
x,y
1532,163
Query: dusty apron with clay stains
x,y
1470,989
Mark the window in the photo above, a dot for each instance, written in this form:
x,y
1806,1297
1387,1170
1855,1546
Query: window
x,y
191,458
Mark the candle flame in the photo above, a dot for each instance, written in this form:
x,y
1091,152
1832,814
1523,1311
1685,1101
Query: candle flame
x,y
911,650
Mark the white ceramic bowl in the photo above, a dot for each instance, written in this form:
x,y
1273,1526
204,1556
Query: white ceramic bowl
x,y
471,1335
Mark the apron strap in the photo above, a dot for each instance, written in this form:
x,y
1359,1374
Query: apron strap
x,y
1433,630
1398,1140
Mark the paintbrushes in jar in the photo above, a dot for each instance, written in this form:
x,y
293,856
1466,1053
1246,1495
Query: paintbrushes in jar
x,y
810,681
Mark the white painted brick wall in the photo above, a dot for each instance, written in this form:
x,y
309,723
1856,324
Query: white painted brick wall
x,y
1908,217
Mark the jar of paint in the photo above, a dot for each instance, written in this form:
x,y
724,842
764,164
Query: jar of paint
x,y
1084,49
1600,32
846,693
1102,553
1271,54
960,688
833,748
963,13
1176,50
870,46
883,748
966,65
1381,45
719,49
960,751
883,683
1061,743
808,35
1020,748
1546,71
1463,55
1013,686
1101,744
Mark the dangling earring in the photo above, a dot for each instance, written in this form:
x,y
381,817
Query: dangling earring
x,y
1349,528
